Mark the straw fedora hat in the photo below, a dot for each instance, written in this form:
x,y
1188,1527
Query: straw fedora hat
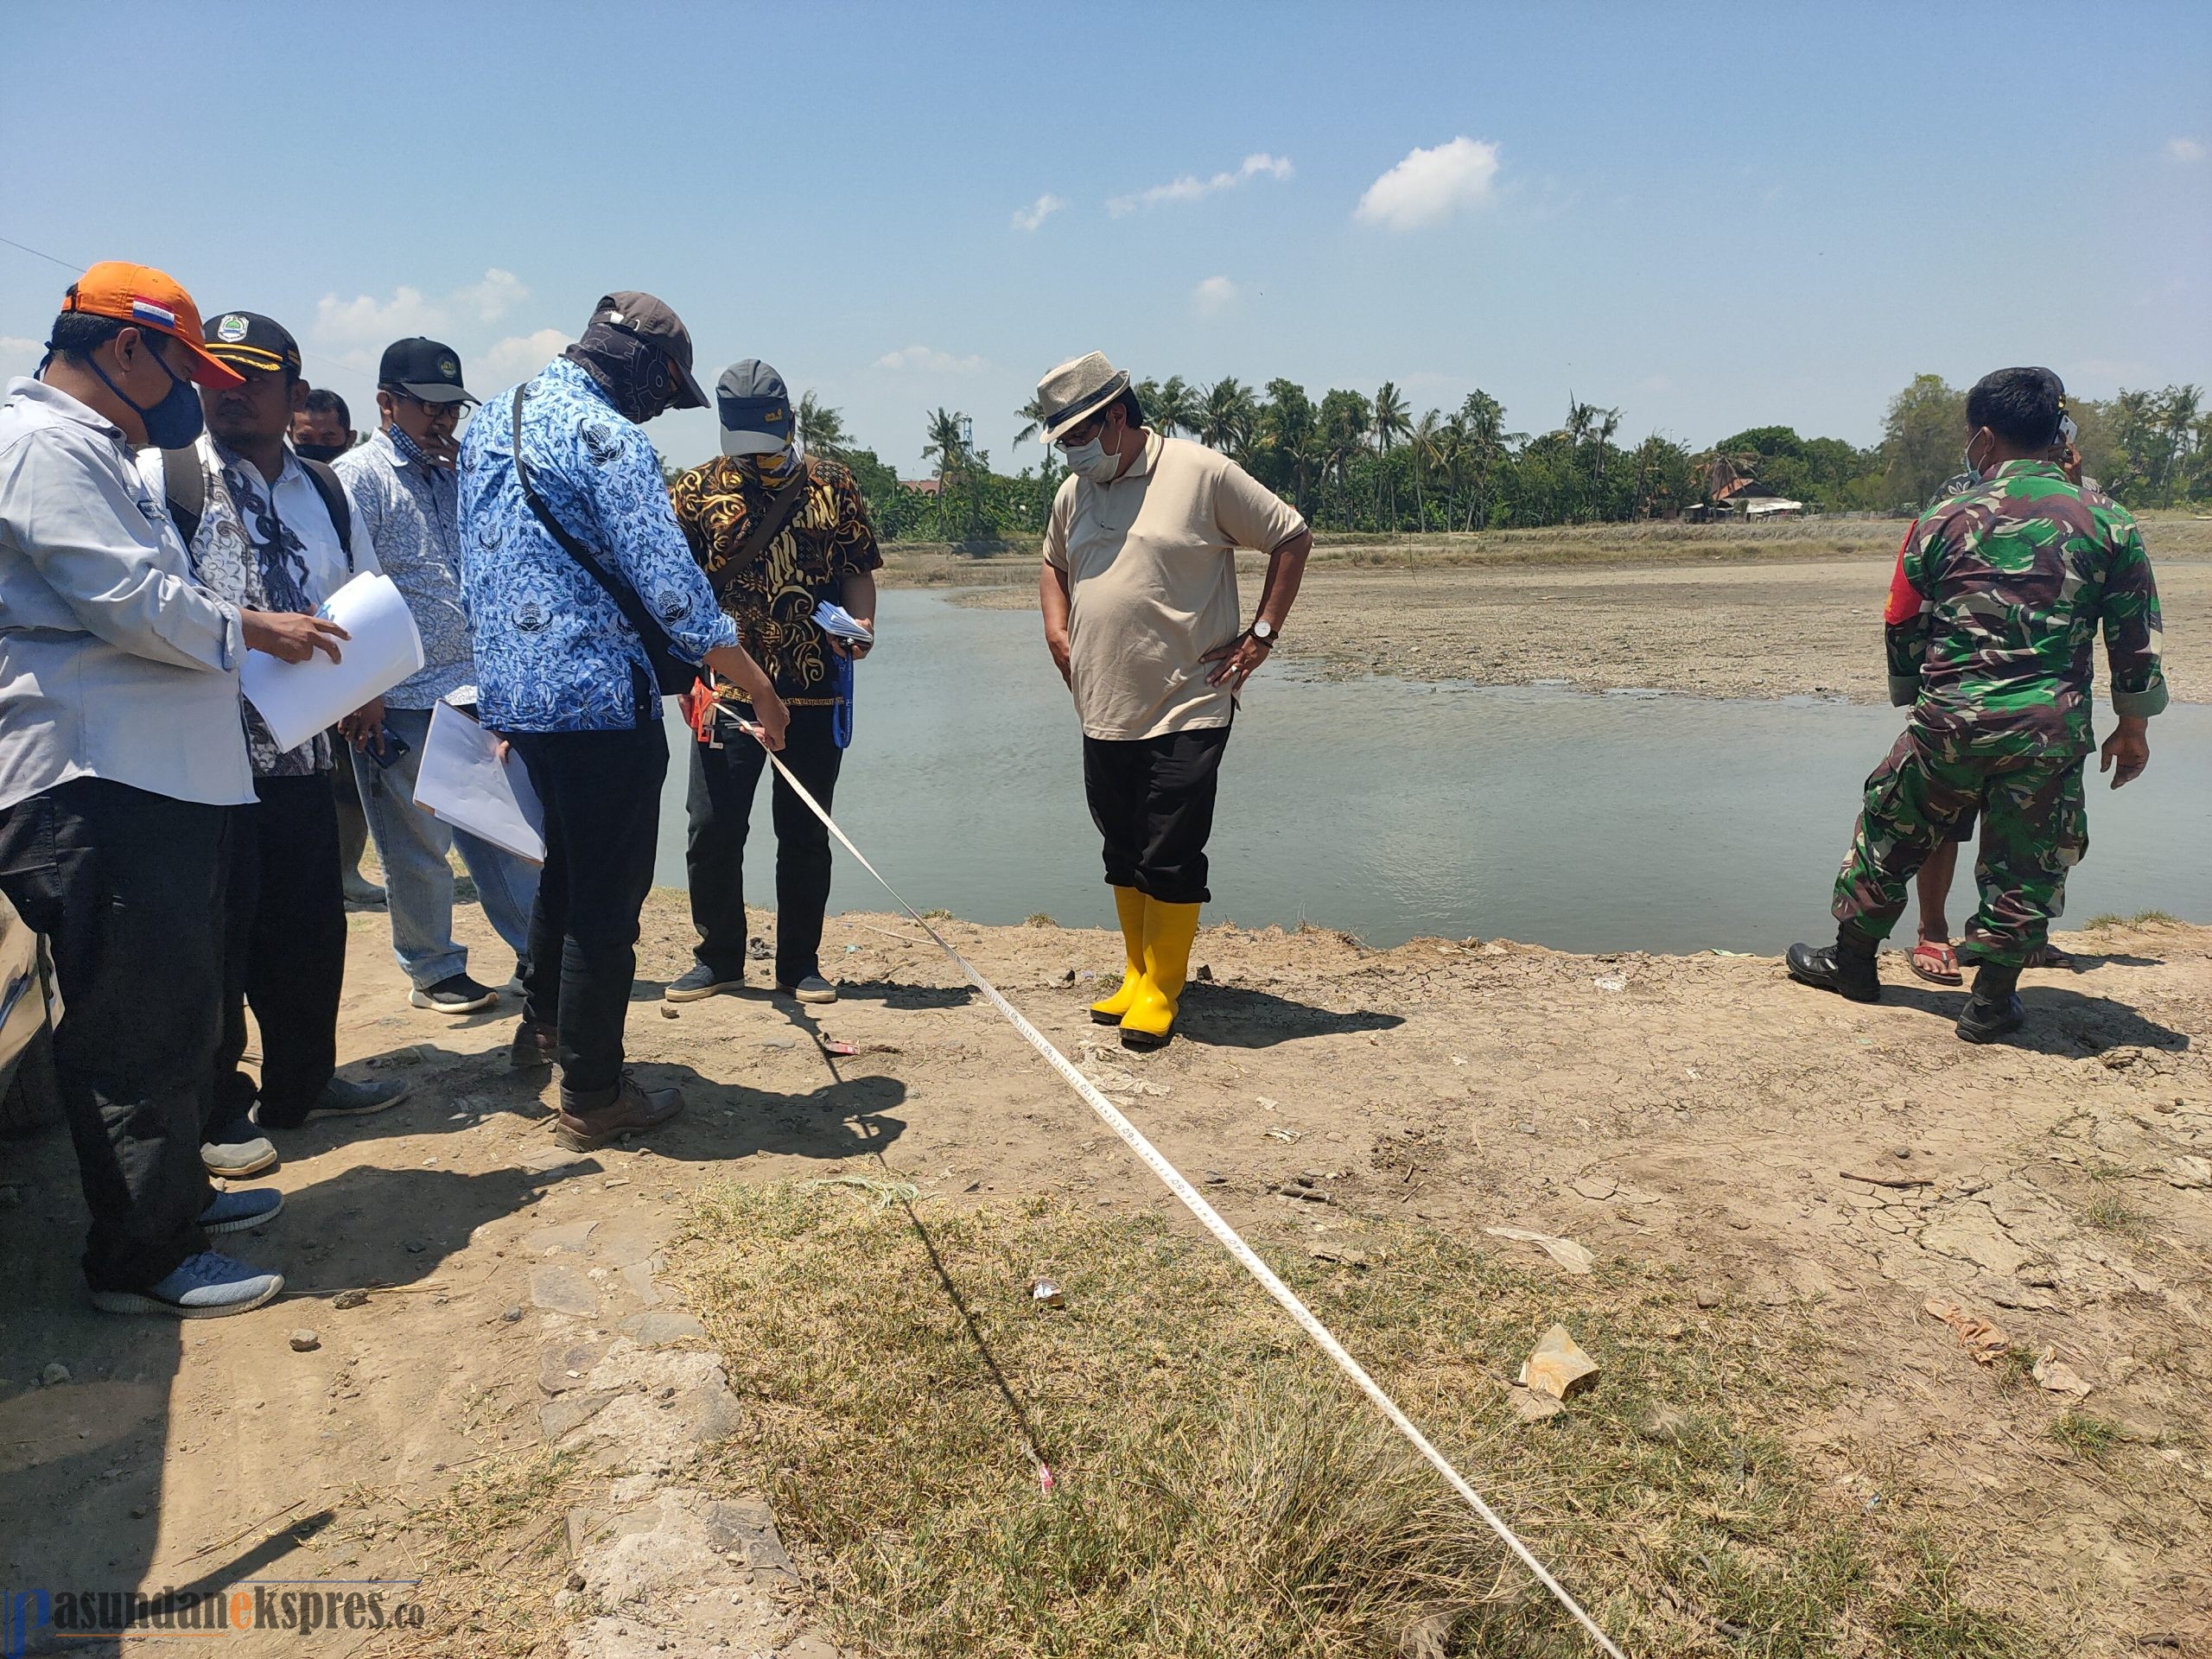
x,y
1076,390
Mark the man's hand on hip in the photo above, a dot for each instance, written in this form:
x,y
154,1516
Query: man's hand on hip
x,y
1240,659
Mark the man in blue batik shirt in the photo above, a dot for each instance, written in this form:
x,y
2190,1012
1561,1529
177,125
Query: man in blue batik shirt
x,y
563,677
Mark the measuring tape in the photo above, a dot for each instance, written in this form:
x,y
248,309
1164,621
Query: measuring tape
x,y
1208,1218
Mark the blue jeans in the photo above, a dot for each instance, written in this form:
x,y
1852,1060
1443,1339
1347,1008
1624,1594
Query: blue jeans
x,y
418,875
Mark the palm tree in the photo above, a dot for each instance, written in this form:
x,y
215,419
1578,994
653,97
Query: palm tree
x,y
1032,415
1226,417
1423,442
1392,423
1172,407
948,447
1483,419
1609,422
822,429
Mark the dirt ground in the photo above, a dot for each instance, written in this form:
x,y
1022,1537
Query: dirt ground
x,y
1778,618
1769,1145
1772,1147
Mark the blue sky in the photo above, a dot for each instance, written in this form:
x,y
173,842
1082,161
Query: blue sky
x,y
1711,217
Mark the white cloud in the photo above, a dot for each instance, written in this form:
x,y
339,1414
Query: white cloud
x,y
1190,187
366,320
514,359
929,358
1214,297
1029,218
18,356
498,294
2185,150
1430,186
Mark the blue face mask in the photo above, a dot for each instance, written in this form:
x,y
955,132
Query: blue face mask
x,y
176,420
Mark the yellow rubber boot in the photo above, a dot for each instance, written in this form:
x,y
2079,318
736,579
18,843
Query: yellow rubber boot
x,y
1168,931
1129,906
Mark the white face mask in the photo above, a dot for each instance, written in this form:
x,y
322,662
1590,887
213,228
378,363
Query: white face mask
x,y
1093,460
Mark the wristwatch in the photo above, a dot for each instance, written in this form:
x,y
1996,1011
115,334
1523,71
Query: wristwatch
x,y
1264,632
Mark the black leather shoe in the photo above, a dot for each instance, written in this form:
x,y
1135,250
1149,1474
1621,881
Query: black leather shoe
x,y
1831,968
1985,1021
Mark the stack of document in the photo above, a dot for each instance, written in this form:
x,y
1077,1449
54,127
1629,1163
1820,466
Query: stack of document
x,y
838,623
297,700
464,781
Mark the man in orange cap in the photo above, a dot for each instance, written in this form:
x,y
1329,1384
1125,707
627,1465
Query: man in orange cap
x,y
122,764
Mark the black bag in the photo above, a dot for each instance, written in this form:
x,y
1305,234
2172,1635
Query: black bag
x,y
184,480
672,675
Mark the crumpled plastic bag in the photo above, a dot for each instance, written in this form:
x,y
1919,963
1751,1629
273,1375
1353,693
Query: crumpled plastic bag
x,y
1983,1340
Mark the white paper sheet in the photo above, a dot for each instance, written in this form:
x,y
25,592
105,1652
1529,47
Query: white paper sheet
x,y
463,782
297,700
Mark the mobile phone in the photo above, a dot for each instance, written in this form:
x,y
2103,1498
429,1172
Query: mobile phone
x,y
388,747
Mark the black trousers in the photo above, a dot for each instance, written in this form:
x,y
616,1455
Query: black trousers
x,y
283,951
602,795
719,806
127,887
1153,799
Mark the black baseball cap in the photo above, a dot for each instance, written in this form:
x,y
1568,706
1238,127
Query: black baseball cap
x,y
427,370
754,407
246,340
649,318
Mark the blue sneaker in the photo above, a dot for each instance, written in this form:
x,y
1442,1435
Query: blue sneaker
x,y
236,1211
207,1286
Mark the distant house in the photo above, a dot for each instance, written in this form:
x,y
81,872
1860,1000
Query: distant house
x,y
1737,496
923,486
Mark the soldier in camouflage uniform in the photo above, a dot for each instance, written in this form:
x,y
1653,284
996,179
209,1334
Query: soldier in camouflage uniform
x,y
1991,624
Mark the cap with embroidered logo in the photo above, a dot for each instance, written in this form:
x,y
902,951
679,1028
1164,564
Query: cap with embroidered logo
x,y
428,371
754,407
248,340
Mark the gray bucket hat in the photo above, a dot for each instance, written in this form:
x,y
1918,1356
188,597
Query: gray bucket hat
x,y
1076,390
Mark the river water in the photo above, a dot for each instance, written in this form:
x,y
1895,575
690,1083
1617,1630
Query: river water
x,y
1393,808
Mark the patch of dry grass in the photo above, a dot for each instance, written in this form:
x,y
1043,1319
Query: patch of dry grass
x,y
1223,1492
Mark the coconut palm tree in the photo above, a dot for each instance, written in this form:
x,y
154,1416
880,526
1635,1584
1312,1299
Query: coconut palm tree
x,y
1171,408
948,446
1482,417
822,429
1227,417
1031,416
1422,440
1392,424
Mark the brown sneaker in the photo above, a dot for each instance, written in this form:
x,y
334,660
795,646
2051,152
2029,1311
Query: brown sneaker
x,y
533,1047
593,1120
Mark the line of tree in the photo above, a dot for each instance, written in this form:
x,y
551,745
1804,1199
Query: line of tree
x,y
1355,463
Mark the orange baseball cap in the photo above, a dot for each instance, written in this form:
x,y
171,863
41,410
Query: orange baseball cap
x,y
152,300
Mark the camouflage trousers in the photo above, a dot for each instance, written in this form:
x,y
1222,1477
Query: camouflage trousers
x,y
2034,829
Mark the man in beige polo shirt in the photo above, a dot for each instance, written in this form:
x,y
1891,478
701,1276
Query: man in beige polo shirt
x,y
1139,591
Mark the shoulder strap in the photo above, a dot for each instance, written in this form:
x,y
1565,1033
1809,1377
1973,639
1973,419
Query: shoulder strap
x,y
624,597
184,480
329,486
783,507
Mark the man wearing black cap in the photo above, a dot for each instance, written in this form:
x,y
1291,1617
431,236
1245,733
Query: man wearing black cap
x,y
584,607
270,531
406,489
780,534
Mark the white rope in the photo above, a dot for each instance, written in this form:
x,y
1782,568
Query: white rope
x,y
1226,1236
